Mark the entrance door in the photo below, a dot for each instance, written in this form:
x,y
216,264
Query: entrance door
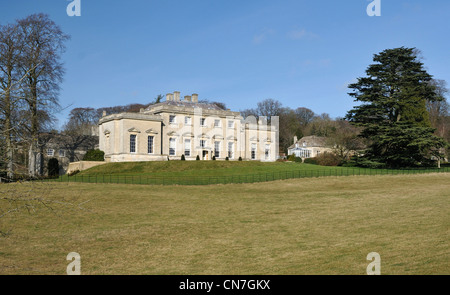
x,y
205,155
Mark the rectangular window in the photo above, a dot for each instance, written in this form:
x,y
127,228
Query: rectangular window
x,y
230,124
50,152
172,146
216,123
217,149
230,150
132,143
62,153
202,143
187,121
202,122
267,151
187,147
253,155
172,119
150,144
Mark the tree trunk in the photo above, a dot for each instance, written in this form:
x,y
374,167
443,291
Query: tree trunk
x,y
8,131
32,164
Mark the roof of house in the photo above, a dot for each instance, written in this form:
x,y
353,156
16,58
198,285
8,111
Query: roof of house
x,y
188,104
310,141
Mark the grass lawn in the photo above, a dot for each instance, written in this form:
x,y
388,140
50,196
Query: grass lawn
x,y
300,226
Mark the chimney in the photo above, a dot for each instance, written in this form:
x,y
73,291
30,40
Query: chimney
x,y
187,98
176,96
194,97
169,97
295,139
104,113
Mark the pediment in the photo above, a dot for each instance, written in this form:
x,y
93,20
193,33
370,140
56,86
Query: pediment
x,y
188,134
134,130
151,131
173,133
204,136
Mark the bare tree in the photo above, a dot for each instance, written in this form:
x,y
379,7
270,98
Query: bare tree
x,y
344,140
44,42
269,107
10,52
439,110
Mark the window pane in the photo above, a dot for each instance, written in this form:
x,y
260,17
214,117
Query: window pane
x,y
172,146
253,155
187,147
217,149
230,150
132,143
150,144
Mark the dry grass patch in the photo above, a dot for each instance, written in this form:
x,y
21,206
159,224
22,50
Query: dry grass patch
x,y
302,226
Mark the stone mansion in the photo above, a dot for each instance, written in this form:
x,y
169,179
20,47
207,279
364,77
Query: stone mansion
x,y
175,127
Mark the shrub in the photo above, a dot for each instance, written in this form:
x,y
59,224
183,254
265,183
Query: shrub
x,y
226,159
240,159
311,161
292,158
328,159
197,158
94,155
53,167
183,158
73,172
214,158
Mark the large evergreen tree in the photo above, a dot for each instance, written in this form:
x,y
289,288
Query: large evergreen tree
x,y
393,111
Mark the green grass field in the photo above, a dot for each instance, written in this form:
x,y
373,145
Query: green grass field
x,y
324,225
218,172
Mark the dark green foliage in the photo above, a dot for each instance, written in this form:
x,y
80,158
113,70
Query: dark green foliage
x,y
393,110
240,159
197,158
53,167
183,158
94,155
226,159
292,158
311,161
213,158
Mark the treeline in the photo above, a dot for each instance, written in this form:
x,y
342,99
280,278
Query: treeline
x,y
302,122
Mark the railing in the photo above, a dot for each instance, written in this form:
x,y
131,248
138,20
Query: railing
x,y
245,178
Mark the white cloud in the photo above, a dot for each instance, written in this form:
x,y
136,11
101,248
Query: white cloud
x,y
258,39
301,34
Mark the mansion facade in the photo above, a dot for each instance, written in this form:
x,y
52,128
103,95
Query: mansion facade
x,y
175,128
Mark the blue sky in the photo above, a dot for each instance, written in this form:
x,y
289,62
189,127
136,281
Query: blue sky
x,y
302,53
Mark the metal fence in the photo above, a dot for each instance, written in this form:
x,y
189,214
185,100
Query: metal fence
x,y
245,178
